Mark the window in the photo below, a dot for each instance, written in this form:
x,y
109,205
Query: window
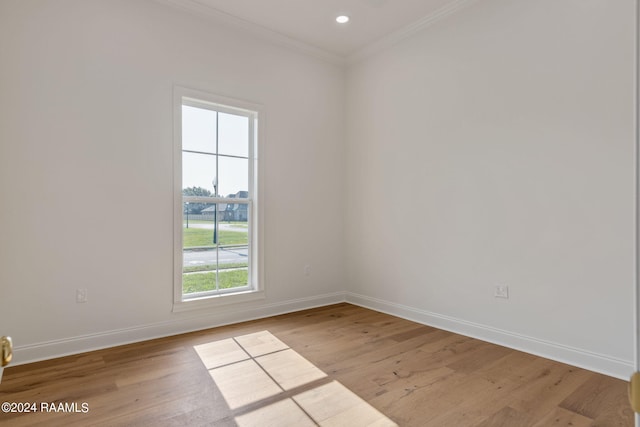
x,y
217,215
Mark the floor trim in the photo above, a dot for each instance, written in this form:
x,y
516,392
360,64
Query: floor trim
x,y
90,342
600,363
603,364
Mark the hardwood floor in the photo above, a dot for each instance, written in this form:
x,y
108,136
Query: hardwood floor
x,y
414,374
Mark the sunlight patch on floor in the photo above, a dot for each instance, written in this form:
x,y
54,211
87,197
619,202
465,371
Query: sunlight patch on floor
x,y
266,383
282,413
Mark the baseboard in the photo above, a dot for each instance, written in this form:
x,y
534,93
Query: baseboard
x,y
603,364
74,345
80,344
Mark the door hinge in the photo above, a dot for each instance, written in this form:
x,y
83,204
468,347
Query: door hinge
x,y
7,350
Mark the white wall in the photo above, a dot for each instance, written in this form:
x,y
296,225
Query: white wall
x,y
86,142
496,147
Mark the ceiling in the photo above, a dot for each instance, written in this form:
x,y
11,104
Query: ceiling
x,y
312,22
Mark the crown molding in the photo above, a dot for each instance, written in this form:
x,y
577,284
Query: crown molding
x,y
218,16
215,15
408,30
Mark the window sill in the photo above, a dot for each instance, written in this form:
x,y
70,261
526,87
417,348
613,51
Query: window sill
x,y
216,301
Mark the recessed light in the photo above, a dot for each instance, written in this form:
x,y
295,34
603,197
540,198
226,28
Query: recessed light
x,y
342,19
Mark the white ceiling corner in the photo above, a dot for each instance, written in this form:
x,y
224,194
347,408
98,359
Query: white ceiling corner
x,y
309,25
406,31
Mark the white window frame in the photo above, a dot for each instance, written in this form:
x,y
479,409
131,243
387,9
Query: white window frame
x,y
255,289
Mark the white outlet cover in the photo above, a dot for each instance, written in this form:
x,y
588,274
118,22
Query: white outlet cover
x,y
501,291
81,295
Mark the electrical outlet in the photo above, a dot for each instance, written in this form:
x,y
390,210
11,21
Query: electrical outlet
x,y
81,295
501,291
307,270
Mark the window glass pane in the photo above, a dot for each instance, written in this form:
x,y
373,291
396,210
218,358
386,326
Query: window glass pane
x,y
199,281
229,278
233,135
233,253
198,129
233,177
199,252
234,227
198,222
198,171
